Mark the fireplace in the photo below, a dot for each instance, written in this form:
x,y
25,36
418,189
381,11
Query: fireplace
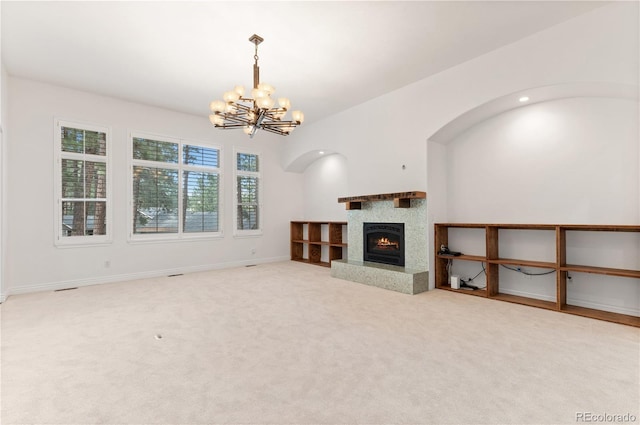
x,y
383,243
412,277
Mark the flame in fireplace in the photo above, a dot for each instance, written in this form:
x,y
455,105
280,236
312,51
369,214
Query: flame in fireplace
x,y
385,243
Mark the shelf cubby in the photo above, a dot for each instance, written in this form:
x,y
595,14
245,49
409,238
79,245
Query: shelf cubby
x,y
324,241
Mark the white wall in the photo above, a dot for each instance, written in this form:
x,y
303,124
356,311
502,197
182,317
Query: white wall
x,y
3,128
565,161
3,122
437,193
4,101
325,180
377,143
34,263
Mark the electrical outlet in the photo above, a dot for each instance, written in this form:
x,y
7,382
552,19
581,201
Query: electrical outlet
x,y
253,250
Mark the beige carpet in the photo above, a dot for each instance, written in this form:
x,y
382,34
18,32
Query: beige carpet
x,y
285,343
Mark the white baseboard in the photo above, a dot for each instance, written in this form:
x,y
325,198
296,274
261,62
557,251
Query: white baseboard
x,y
3,298
52,286
528,294
601,306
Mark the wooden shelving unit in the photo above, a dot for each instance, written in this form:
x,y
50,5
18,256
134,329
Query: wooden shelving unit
x,y
492,260
307,241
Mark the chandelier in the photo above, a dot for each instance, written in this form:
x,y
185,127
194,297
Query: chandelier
x,y
255,112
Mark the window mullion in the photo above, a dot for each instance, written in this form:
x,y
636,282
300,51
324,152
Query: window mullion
x,y
155,164
181,212
200,169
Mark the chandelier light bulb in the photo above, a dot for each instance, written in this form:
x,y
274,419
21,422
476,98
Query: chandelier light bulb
x,y
298,116
239,90
230,108
230,96
265,102
247,129
267,88
284,103
216,119
217,106
258,93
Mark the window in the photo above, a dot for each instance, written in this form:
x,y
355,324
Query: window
x,y
175,188
83,186
248,181
201,188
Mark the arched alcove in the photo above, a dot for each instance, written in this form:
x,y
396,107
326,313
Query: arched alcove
x,y
498,105
439,187
568,159
302,161
325,180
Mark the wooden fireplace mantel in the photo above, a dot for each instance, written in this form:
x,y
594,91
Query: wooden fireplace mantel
x,y
400,199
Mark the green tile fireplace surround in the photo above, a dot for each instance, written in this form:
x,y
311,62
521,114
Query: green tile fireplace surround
x,y
409,208
394,278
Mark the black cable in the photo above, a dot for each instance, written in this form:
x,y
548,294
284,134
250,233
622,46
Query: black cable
x,y
483,271
449,264
471,279
527,273
480,272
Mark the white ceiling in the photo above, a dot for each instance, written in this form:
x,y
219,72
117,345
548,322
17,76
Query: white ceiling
x,y
325,56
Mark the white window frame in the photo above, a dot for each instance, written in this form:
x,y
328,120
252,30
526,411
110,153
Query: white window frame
x,y
86,240
180,167
249,232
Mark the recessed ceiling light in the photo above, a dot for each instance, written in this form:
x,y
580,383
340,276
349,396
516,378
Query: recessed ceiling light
x,y
524,99
321,152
